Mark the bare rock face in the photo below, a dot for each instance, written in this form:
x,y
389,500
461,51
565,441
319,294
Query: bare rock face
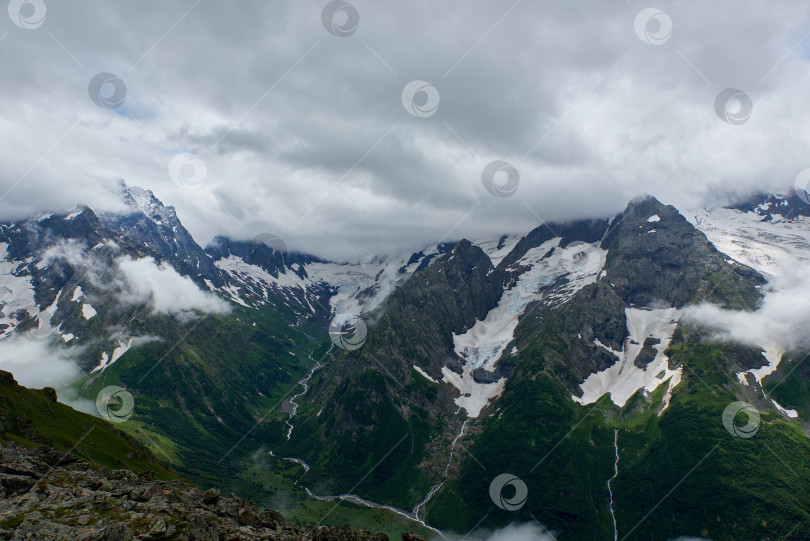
x,y
48,495
50,392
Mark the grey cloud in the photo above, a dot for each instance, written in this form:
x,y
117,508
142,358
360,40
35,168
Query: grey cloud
x,y
36,364
138,281
780,321
520,532
611,116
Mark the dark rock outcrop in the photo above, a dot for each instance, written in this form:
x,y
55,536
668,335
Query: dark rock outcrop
x,y
655,256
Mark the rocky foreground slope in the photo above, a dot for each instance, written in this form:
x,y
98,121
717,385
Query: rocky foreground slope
x,y
47,494
47,491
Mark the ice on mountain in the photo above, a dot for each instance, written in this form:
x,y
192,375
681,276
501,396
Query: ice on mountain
x,y
424,374
16,292
495,254
484,343
773,355
744,237
74,213
623,379
768,247
356,287
793,414
140,200
88,311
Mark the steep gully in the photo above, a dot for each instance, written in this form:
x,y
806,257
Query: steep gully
x,y
353,498
435,488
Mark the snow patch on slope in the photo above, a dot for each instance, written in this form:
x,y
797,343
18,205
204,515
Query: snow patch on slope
x,y
484,343
72,214
88,311
356,287
424,374
103,363
125,343
793,414
624,378
44,326
16,292
496,254
474,396
773,354
116,354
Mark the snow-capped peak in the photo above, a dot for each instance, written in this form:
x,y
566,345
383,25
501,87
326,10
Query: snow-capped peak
x,y
144,201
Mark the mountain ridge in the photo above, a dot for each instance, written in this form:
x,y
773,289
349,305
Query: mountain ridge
x,y
570,328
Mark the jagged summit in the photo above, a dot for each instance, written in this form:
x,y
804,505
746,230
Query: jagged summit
x,y
156,226
145,202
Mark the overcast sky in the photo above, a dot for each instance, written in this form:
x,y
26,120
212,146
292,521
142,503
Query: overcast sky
x,y
307,134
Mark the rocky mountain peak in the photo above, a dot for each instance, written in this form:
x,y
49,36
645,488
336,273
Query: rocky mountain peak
x,y
155,226
656,256
145,202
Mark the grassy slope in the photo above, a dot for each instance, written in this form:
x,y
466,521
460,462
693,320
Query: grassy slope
x,y
219,360
211,392
743,488
377,463
790,384
278,481
104,445
527,437
90,438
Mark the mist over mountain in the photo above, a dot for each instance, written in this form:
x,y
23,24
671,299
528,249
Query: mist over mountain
x,y
362,271
240,353
278,124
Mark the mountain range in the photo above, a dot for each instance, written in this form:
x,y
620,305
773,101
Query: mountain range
x,y
635,377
